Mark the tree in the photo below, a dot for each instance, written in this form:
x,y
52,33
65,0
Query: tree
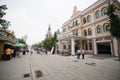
x,y
114,24
48,43
4,23
21,41
54,42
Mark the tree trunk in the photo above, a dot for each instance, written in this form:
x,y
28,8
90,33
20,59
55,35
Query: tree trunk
x,y
118,42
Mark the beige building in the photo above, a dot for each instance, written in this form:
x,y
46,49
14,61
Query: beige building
x,y
89,30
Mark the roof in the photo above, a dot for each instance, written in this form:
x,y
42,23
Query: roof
x,y
6,39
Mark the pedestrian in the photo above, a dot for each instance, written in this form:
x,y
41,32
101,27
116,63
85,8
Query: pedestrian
x,y
46,52
83,53
12,52
24,51
78,53
31,51
8,52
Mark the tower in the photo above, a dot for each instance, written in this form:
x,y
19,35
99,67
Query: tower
x,y
49,34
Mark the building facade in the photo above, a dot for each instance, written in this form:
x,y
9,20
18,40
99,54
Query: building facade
x,y
7,39
89,30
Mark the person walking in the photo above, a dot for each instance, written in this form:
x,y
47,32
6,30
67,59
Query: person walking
x,y
46,52
8,52
12,52
31,51
78,53
83,53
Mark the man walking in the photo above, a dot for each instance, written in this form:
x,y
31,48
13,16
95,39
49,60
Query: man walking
x,y
83,53
78,53
8,52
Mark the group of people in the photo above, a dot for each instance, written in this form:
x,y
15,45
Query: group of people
x,y
79,52
13,52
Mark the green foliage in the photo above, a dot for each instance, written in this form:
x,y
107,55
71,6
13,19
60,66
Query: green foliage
x,y
4,23
21,41
48,43
40,44
114,21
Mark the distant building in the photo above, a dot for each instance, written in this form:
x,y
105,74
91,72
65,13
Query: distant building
x,y
49,33
89,30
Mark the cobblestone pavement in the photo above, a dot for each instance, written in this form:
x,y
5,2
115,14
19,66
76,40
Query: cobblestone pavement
x,y
15,69
56,67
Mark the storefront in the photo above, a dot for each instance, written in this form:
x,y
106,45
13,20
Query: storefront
x,y
5,42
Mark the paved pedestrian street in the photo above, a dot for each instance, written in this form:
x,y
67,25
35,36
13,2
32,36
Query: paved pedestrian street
x,y
56,67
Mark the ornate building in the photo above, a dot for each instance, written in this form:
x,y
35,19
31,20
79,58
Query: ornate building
x,y
89,30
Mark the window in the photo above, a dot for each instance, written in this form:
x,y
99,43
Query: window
x,y
85,33
84,20
64,30
73,24
76,23
88,18
90,44
105,27
64,46
89,31
98,29
97,14
104,11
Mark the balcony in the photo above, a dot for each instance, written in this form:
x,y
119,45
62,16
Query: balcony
x,y
75,27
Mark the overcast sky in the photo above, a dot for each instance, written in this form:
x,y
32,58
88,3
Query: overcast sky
x,y
32,17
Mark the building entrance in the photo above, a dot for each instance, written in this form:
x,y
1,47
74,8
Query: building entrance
x,y
104,48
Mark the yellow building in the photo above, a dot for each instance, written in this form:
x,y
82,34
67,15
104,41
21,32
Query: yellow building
x,y
89,30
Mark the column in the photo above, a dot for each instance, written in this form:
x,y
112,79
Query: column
x,y
111,48
72,47
92,17
60,46
67,45
81,45
115,46
95,46
88,42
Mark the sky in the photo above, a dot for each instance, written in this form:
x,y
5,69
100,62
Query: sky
x,y
31,18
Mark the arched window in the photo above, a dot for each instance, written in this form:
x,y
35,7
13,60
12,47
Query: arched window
x,y
97,14
84,20
105,27
73,24
89,31
99,29
85,33
104,11
76,22
88,18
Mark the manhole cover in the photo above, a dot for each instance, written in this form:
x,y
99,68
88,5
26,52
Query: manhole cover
x,y
91,64
26,75
39,73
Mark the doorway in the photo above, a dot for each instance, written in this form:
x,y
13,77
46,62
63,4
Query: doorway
x,y
104,48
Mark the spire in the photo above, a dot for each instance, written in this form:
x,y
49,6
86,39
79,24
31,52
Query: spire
x,y
49,28
49,34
